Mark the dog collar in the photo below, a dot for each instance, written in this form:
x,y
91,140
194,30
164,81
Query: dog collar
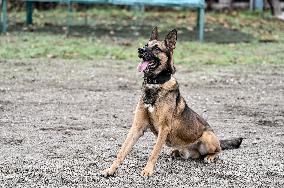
x,y
160,79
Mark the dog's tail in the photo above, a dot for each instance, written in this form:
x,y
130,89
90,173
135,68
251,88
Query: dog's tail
x,y
233,143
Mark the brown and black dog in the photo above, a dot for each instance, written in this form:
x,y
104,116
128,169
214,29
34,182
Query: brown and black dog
x,y
164,111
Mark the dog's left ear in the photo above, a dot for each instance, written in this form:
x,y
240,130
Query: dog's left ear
x,y
171,39
154,34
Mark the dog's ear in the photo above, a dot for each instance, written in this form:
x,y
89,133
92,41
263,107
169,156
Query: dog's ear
x,y
154,34
172,67
171,39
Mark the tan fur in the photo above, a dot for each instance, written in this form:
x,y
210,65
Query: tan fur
x,y
170,119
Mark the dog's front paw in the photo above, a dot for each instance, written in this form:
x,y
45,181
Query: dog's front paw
x,y
210,159
107,172
147,172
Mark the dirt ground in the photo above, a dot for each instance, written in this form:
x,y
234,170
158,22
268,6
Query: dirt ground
x,y
61,122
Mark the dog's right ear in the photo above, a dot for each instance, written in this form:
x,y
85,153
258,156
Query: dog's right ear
x,y
154,34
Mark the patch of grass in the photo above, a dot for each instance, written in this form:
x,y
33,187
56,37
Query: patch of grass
x,y
56,46
114,33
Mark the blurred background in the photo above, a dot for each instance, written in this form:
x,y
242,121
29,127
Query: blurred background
x,y
95,30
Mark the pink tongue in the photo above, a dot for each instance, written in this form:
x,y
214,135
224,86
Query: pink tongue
x,y
142,66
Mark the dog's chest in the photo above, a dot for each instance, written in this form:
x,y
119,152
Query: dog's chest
x,y
150,95
150,108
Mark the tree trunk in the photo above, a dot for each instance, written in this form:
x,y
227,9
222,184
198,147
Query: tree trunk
x,y
275,7
231,5
209,4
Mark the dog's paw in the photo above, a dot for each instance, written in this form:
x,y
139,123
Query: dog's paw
x,y
107,172
175,153
210,159
147,172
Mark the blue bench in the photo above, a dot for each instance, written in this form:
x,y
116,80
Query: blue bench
x,y
196,4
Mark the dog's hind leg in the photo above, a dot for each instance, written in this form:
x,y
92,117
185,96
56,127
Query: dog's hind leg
x,y
140,123
175,153
209,145
181,152
194,154
186,152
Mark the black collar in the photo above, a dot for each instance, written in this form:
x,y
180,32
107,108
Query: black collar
x,y
159,79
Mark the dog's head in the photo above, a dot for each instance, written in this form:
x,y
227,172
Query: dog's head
x,y
157,56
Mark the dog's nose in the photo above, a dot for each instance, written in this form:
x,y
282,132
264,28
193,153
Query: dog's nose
x,y
141,50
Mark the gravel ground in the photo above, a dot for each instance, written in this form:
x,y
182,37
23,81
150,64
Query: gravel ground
x,y
61,122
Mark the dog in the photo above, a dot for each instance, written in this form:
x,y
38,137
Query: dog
x,y
163,110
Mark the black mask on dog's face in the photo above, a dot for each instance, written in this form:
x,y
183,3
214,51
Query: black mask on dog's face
x,y
156,56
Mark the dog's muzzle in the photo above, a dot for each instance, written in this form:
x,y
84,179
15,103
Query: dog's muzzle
x,y
149,61
141,53
145,54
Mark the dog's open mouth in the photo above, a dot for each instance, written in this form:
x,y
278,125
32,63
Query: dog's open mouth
x,y
145,65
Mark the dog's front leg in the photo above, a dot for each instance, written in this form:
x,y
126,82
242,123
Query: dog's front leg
x,y
140,123
161,140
